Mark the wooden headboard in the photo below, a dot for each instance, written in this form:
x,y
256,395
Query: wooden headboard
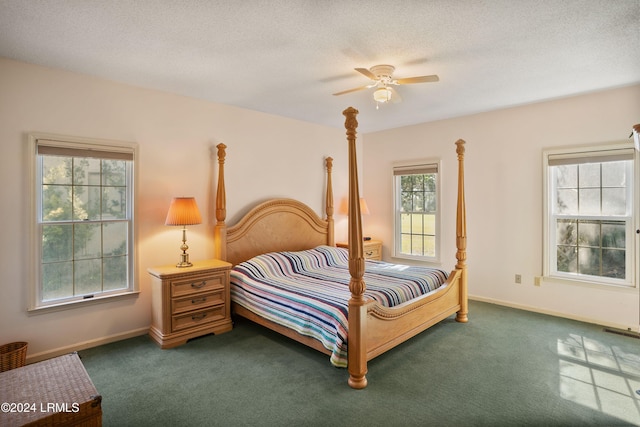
x,y
274,225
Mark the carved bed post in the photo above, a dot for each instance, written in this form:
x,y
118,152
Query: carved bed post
x,y
357,353
461,236
220,232
331,241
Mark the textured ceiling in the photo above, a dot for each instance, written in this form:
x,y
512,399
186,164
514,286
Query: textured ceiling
x,y
287,57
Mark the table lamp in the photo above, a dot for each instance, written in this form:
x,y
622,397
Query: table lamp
x,y
183,211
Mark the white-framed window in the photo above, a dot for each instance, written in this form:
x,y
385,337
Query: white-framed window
x,y
83,197
416,193
590,206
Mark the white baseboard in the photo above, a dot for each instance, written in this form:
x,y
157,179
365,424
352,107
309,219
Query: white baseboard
x,y
142,331
634,328
85,345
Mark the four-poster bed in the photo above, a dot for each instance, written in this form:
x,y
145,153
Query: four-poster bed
x,y
288,231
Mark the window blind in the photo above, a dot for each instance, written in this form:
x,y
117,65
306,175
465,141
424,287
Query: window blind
x,y
591,157
69,149
415,169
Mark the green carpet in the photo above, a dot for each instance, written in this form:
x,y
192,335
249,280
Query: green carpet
x,y
505,367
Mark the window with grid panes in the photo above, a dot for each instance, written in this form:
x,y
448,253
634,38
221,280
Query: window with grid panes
x,y
83,217
590,226
416,200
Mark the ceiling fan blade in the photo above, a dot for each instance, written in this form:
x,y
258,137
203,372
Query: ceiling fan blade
x,y
395,96
367,73
352,90
421,79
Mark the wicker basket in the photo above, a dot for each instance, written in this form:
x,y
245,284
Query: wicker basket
x,y
13,355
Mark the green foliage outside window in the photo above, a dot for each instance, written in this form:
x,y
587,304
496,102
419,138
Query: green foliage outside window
x,y
84,224
418,214
591,214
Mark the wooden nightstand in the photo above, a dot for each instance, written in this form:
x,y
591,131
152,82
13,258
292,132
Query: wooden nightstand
x,y
372,249
189,302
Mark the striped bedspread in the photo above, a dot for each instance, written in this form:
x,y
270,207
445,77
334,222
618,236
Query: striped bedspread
x,y
308,291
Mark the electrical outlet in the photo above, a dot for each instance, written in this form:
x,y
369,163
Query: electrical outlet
x,y
537,281
518,278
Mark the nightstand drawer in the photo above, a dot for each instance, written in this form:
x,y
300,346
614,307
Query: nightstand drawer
x,y
371,249
196,318
372,252
197,301
197,284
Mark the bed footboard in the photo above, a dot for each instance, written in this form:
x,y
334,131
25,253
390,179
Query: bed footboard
x,y
374,329
387,327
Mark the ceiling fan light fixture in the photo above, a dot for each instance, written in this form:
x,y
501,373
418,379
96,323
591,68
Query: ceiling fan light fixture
x,y
382,94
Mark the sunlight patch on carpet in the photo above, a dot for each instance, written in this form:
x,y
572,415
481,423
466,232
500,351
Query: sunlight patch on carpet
x,y
601,377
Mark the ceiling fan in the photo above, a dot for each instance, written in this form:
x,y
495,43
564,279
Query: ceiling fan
x,y
383,81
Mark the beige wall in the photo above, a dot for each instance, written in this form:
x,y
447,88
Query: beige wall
x,y
175,135
504,195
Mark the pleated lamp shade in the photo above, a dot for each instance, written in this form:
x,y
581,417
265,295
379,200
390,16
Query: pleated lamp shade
x,y
344,207
183,211
364,208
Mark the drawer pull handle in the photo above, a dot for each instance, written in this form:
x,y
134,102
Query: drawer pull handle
x,y
369,253
199,285
198,300
199,316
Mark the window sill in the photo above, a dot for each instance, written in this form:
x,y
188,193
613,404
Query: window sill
x,y
82,303
589,284
417,260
